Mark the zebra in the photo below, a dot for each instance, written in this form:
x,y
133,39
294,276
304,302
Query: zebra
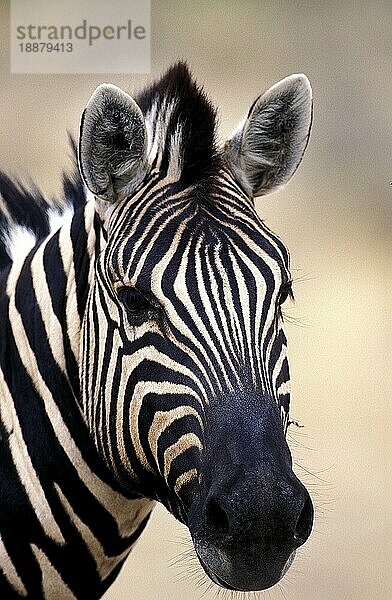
x,y
142,351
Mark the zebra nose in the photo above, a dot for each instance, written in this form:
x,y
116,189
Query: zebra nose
x,y
216,517
287,516
304,523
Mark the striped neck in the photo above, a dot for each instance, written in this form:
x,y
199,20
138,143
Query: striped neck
x,y
67,497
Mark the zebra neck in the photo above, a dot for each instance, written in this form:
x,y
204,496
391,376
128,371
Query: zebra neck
x,y
47,295
65,494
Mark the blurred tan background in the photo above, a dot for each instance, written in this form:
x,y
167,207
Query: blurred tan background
x,y
335,216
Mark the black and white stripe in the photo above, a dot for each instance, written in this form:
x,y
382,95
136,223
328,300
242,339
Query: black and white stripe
x,y
105,407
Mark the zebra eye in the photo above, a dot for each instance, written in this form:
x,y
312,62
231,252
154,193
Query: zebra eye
x,y
286,291
133,300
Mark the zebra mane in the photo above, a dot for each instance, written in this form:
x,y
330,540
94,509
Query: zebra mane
x,y
27,216
182,119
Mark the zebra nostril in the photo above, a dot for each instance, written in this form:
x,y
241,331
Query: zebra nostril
x,y
216,517
304,523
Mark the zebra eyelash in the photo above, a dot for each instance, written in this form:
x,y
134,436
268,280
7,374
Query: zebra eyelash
x,y
133,301
139,306
285,292
135,304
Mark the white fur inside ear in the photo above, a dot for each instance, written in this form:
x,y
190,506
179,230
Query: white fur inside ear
x,y
266,150
113,143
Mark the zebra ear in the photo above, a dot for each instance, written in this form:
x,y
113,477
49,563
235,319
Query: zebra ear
x,y
267,148
112,143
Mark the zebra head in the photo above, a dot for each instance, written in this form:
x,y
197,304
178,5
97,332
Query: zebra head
x,y
185,378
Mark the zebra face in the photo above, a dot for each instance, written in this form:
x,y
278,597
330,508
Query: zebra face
x,y
185,378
